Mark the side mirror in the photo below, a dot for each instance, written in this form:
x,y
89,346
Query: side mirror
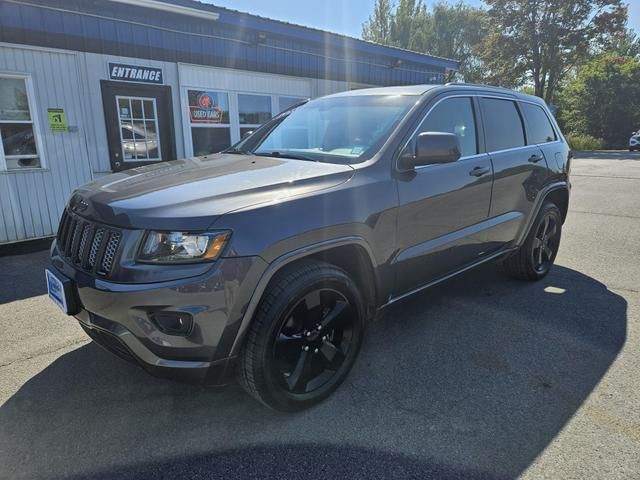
x,y
432,148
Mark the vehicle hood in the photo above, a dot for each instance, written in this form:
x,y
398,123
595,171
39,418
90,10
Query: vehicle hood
x,y
191,194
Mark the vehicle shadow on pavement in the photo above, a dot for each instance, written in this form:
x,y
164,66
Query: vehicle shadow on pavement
x,y
472,379
22,272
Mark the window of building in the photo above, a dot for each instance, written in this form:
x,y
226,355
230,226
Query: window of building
x,y
253,111
287,102
502,124
209,120
18,129
454,115
539,129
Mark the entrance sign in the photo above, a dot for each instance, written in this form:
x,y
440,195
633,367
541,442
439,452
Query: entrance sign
x,y
135,73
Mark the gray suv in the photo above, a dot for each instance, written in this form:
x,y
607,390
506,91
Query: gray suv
x,y
267,260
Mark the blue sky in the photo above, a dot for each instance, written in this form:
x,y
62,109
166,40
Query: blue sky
x,y
340,16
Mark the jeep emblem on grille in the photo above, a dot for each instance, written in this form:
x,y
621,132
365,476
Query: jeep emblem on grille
x,y
79,204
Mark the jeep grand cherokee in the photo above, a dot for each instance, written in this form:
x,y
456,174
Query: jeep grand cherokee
x,y
267,260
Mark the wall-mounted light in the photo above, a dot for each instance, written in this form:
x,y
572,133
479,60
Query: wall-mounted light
x,y
260,38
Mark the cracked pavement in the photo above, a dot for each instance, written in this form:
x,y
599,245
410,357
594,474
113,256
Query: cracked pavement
x,y
480,377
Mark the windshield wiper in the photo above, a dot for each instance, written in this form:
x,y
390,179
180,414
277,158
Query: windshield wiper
x,y
236,151
276,154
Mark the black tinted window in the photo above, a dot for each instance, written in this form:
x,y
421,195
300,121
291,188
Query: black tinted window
x,y
502,124
539,129
454,115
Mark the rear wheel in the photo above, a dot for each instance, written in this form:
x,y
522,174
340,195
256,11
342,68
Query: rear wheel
x,y
304,339
533,260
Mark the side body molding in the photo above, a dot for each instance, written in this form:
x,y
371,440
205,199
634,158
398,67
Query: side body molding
x,y
277,265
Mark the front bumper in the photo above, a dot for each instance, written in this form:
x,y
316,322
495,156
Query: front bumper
x,y
119,317
118,340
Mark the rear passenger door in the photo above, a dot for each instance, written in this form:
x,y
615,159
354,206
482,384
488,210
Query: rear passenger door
x,y
520,169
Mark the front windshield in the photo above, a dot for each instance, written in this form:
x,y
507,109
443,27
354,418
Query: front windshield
x,y
343,129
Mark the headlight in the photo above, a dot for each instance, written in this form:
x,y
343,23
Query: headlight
x,y
176,247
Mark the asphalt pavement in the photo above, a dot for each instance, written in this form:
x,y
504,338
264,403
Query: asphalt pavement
x,y
480,377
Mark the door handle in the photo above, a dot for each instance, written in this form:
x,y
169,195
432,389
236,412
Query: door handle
x,y
479,171
535,158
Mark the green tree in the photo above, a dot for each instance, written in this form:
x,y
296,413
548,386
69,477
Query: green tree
x,y
540,41
378,27
604,100
627,44
455,31
393,26
451,31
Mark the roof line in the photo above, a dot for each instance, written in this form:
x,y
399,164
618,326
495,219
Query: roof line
x,y
157,27
196,4
172,8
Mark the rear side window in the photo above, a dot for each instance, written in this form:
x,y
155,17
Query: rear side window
x,y
539,129
502,124
454,115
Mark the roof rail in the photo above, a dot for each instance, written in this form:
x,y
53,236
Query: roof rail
x,y
481,85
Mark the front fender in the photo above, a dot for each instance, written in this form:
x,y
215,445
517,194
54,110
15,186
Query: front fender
x,y
281,262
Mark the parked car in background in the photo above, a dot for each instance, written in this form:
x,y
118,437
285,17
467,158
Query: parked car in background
x,y
138,143
269,259
634,141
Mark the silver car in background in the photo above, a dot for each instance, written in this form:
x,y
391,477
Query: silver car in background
x,y
634,141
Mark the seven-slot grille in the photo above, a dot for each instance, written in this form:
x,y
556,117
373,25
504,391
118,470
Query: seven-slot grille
x,y
88,245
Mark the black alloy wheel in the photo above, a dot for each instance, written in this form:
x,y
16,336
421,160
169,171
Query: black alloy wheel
x,y
314,340
304,338
534,258
545,243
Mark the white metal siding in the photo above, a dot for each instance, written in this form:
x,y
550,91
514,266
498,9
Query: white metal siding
x,y
32,201
241,81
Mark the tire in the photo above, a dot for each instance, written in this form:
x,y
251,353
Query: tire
x,y
533,260
287,342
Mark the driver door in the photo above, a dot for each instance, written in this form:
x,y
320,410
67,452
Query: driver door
x,y
444,208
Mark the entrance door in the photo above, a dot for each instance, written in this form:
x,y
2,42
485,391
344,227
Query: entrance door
x,y
139,121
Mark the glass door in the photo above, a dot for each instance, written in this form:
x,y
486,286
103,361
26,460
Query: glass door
x,y
139,133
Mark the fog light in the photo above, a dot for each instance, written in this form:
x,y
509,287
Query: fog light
x,y
173,323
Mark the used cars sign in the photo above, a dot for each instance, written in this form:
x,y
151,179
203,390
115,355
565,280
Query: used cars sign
x,y
135,73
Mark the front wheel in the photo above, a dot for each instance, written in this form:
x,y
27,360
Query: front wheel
x,y
533,260
305,337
